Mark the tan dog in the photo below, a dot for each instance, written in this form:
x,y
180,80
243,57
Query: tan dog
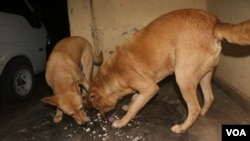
x,y
70,65
185,42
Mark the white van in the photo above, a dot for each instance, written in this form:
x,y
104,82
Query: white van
x,y
22,56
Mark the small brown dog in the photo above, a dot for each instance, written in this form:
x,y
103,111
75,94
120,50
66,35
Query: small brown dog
x,y
185,42
70,65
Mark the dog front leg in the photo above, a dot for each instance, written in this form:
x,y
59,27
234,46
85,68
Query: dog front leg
x,y
126,107
58,116
136,105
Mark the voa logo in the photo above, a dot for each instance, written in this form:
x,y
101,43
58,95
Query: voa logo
x,y
236,132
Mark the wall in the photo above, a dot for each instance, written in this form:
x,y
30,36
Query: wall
x,y
105,23
114,20
234,65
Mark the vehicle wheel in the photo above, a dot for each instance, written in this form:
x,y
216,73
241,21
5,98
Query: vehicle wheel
x,y
17,80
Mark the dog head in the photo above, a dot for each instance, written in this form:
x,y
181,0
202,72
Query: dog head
x,y
100,96
102,102
69,102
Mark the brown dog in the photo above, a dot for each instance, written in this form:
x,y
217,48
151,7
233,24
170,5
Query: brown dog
x,y
185,42
70,65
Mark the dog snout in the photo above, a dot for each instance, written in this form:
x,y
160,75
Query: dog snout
x,y
83,121
81,118
88,119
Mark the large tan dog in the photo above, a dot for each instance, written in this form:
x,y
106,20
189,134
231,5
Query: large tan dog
x,y
185,42
70,65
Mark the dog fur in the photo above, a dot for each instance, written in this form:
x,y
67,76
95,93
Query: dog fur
x,y
186,42
69,66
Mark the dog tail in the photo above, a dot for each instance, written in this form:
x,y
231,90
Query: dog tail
x,y
98,59
234,33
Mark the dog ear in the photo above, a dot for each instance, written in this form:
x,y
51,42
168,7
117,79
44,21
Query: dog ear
x,y
93,97
52,100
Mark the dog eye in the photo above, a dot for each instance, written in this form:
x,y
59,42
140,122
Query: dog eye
x,y
81,109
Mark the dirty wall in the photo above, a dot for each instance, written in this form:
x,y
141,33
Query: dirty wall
x,y
105,23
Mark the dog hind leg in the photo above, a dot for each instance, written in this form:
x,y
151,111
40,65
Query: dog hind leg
x,y
207,92
87,62
188,86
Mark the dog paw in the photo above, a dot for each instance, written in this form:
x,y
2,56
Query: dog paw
x,y
178,129
125,107
57,119
118,124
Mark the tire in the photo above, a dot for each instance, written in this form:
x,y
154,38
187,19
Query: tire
x,y
17,80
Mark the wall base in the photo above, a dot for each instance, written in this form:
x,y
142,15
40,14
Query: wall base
x,y
233,93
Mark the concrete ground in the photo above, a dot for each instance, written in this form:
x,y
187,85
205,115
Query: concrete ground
x,y
153,123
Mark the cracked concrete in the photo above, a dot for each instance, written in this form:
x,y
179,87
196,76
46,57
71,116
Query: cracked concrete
x,y
152,123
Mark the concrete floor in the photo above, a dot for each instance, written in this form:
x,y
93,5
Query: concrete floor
x,y
153,123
